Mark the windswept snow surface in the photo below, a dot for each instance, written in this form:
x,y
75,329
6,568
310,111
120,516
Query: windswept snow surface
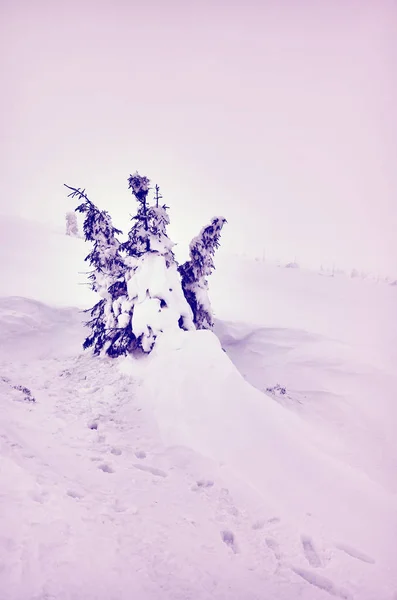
x,y
178,476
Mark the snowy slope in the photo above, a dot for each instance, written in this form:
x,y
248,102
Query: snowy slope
x,y
330,342
176,476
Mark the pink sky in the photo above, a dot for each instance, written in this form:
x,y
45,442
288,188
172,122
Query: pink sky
x,y
279,115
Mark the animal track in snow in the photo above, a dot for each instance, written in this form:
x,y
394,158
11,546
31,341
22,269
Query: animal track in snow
x,y
323,583
116,451
152,470
106,468
229,539
310,552
355,553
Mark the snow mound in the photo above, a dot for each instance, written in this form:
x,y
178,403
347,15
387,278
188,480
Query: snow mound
x,y
202,402
357,313
94,506
159,303
326,384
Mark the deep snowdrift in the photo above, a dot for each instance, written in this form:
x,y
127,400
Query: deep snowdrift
x,y
175,476
202,402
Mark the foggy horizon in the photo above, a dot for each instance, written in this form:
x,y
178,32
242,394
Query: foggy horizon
x,y
280,117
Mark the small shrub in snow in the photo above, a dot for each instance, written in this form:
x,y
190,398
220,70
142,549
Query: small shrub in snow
x,y
292,265
27,395
195,271
277,390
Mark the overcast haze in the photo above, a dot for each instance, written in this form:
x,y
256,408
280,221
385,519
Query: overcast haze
x,y
279,115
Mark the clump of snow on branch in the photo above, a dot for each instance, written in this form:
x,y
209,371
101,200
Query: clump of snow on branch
x,y
139,186
157,297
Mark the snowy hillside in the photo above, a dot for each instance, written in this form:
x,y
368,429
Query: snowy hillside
x,y
260,466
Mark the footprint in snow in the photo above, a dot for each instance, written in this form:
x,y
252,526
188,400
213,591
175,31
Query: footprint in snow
x,y
152,470
39,496
310,551
74,494
202,484
229,539
120,507
274,520
273,545
323,583
106,468
116,451
355,553
260,523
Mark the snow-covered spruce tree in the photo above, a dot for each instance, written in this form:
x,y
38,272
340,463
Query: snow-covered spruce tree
x,y
106,278
155,302
195,271
72,228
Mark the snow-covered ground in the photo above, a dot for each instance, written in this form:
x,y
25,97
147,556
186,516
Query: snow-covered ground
x,y
178,476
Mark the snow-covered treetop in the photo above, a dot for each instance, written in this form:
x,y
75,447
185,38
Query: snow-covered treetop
x,y
138,236
139,185
149,231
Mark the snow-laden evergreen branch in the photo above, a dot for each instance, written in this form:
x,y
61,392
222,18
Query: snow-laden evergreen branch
x,y
195,271
107,276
